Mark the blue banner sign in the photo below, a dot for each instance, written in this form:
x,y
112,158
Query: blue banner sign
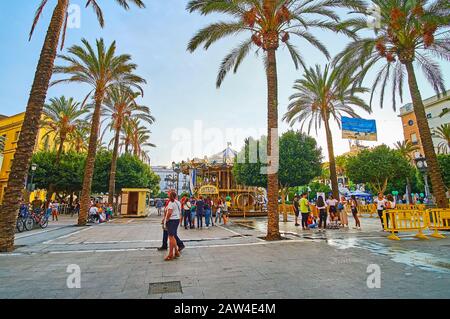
x,y
359,129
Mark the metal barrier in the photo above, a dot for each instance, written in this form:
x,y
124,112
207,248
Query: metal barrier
x,y
405,220
438,219
370,209
420,207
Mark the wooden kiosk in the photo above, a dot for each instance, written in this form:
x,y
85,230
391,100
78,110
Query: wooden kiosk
x,y
134,202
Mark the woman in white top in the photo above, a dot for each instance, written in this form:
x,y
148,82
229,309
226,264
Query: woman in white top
x,y
172,220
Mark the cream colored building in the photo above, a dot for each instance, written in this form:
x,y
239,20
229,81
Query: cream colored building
x,y
434,108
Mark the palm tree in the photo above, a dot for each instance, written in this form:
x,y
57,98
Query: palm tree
x,y
101,69
27,138
322,96
406,150
408,32
78,141
267,23
443,133
135,137
120,106
62,117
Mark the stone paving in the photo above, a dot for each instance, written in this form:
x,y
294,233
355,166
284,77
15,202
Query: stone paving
x,y
119,260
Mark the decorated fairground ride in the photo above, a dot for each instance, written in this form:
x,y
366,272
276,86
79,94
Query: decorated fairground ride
x,y
213,176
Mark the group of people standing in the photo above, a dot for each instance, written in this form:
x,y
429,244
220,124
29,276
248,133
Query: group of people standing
x,y
187,212
331,211
199,212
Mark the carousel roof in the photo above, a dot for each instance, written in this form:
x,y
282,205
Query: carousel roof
x,y
224,158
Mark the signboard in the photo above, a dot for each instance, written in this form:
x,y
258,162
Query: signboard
x,y
208,190
359,129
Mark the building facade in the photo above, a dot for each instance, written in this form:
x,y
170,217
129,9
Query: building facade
x,y
10,127
437,112
169,179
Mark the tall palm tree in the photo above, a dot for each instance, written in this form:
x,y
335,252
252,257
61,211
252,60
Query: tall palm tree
x,y
100,69
267,23
135,137
443,133
27,138
322,96
120,106
406,150
408,33
61,118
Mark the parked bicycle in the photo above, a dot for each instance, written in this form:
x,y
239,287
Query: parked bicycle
x,y
24,220
40,217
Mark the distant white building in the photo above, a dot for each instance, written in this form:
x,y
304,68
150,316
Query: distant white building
x,y
437,111
169,179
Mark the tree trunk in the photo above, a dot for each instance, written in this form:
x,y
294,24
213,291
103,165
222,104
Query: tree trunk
x,y
273,227
333,174
30,128
283,203
90,161
60,148
112,174
427,142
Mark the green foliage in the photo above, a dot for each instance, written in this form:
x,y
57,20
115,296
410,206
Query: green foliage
x,y
444,164
316,187
300,161
68,177
377,166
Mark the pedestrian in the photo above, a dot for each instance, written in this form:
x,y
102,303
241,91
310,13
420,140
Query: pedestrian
x,y
381,204
159,206
208,211
54,206
342,211
304,210
187,213
200,204
219,211
332,210
296,209
171,223
225,212
322,207
164,246
193,209
354,206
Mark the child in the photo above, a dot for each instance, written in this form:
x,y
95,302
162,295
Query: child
x,y
312,223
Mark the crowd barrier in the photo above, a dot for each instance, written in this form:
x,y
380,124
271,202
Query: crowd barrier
x,y
438,219
369,209
397,220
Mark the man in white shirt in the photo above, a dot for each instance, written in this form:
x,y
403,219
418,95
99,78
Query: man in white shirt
x,y
381,204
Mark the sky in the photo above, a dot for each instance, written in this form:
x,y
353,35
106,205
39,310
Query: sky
x,y
193,118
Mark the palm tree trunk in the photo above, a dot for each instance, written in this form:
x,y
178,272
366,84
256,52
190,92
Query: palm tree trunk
x,y
30,128
90,161
333,174
427,142
273,228
112,173
60,148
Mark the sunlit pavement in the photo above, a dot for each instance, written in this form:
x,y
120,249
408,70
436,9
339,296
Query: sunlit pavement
x,y
119,260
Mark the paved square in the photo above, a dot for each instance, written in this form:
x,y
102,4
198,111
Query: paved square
x,y
119,260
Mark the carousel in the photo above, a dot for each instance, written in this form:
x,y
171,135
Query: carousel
x,y
213,176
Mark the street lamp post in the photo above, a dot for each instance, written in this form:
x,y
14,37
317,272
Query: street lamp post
x,y
422,166
33,170
176,169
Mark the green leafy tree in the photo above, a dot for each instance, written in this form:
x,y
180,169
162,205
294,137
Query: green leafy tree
x,y
300,162
444,163
377,166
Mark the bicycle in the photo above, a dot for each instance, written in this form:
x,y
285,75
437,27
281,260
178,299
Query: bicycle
x,y
40,218
24,221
